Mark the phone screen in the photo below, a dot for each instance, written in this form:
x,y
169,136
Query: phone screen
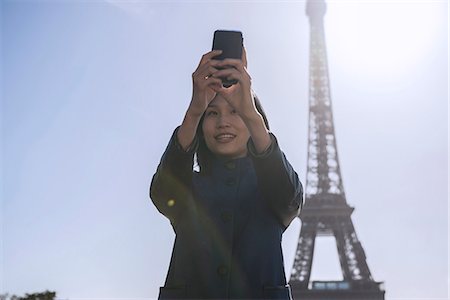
x,y
230,42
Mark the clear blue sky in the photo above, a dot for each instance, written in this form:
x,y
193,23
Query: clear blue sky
x,y
91,91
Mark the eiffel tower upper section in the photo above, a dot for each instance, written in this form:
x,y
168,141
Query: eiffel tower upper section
x,y
326,211
324,180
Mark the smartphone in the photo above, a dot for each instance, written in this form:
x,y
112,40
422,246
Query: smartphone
x,y
231,43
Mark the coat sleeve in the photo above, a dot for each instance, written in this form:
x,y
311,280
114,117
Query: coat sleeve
x,y
278,181
170,188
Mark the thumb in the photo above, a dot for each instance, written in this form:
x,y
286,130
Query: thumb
x,y
244,56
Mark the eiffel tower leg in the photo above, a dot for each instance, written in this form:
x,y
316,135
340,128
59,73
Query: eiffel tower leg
x,y
301,271
351,253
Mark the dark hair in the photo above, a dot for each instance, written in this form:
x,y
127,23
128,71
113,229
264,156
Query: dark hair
x,y
204,155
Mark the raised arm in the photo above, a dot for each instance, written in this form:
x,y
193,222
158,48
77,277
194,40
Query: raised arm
x,y
240,97
277,179
170,189
203,92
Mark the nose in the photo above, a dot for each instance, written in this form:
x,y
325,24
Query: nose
x,y
223,121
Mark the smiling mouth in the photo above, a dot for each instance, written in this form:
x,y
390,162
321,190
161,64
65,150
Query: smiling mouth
x,y
225,137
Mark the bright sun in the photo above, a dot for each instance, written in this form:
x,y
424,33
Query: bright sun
x,y
383,36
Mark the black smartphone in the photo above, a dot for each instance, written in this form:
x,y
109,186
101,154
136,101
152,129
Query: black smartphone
x,y
231,43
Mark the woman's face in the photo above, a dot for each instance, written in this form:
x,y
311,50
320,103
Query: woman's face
x,y
224,131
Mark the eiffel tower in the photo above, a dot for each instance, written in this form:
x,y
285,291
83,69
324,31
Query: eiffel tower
x,y
326,212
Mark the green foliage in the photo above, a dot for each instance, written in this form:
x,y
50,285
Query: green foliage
x,y
47,295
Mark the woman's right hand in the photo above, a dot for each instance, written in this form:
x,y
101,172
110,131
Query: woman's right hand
x,y
204,91
204,85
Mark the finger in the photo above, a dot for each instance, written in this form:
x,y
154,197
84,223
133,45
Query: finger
x,y
206,71
223,73
228,92
217,87
244,57
207,56
231,62
232,73
211,81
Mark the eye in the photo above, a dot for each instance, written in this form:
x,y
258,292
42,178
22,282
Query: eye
x,y
233,112
211,113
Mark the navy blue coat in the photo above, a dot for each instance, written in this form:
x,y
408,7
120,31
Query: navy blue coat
x,y
228,224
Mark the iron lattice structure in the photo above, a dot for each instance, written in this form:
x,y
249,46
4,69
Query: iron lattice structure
x,y
326,211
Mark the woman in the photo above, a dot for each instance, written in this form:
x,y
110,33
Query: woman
x,y
228,216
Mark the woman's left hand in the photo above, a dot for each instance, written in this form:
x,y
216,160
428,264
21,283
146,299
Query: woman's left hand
x,y
239,95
